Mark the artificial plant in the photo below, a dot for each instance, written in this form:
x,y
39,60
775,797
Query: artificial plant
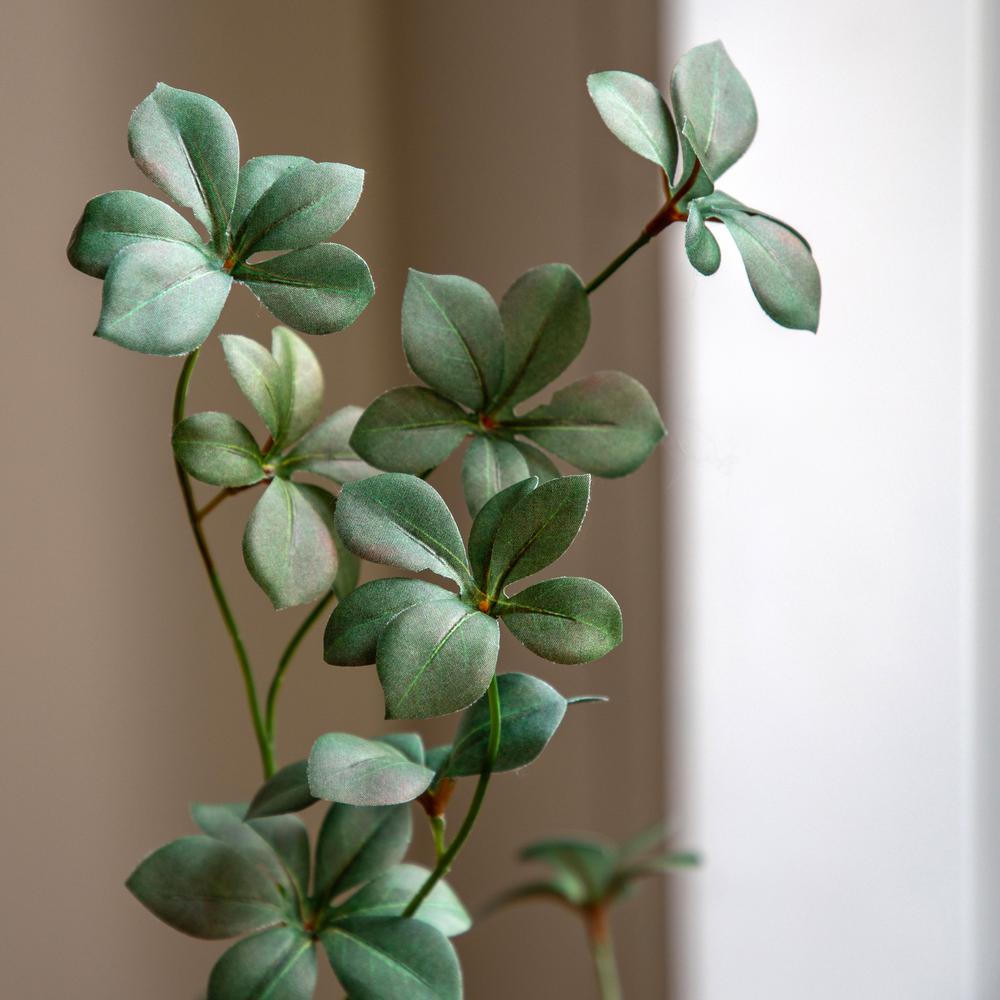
x,y
385,925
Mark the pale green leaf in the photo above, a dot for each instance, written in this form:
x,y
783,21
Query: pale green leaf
x,y
260,379
701,246
489,466
326,449
304,378
216,448
256,176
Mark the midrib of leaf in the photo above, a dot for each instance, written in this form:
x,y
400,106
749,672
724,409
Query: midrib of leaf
x,y
246,249
280,971
417,426
714,99
363,623
232,448
512,607
268,278
511,563
388,959
749,233
434,654
639,123
478,730
338,877
195,274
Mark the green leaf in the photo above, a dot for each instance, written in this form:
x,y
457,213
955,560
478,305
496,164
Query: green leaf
x,y
303,378
276,964
410,429
566,620
546,319
348,569
588,865
606,424
321,289
701,246
530,713
187,145
305,205
161,298
436,658
118,219
452,337
389,894
260,379
256,177
326,449
216,448
537,530
286,791
360,772
715,106
636,113
357,621
695,187
357,843
402,521
539,464
410,745
486,524
393,958
437,757
490,465
288,545
203,887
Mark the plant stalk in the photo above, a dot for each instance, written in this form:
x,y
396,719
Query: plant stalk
x,y
602,949
447,858
180,402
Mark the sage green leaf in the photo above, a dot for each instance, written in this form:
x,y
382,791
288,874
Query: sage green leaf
x,y
436,658
402,521
326,449
161,298
216,448
546,319
487,522
276,964
357,621
304,206
205,888
256,177
559,890
321,289
288,545
357,843
452,337
694,179
118,219
410,429
713,101
437,757
539,464
490,465
289,839
567,620
389,894
348,569
360,772
260,379
537,530
410,745
304,380
718,203
187,145
587,865
393,958
606,424
701,246
530,713
286,791
636,113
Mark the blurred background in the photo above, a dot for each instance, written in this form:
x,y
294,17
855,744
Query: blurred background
x,y
805,690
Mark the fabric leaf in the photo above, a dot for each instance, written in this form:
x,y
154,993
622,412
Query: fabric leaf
x,y
276,964
255,371
490,465
589,864
286,791
539,464
216,448
700,244
304,380
326,449
487,522
256,177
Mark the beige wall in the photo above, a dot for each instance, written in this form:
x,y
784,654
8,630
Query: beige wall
x,y
121,701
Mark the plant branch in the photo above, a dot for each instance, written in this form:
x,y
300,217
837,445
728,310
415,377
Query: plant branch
x,y
180,401
223,494
602,949
447,858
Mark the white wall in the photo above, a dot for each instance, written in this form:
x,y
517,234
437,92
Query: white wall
x,y
825,519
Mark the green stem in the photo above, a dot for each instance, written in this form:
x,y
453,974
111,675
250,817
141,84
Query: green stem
x,y
286,659
637,244
180,401
602,949
445,860
437,829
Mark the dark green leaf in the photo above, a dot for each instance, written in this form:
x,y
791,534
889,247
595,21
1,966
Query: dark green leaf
x,y
546,318
402,521
360,772
256,177
587,863
161,298
410,429
348,569
530,713
452,337
567,620
537,530
117,219
187,145
305,205
203,887
357,844
321,289
276,964
486,524
286,791
714,104
288,544
388,895
436,658
606,424
636,113
356,623
393,958
303,377
216,448
490,465
260,379
326,449
701,246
